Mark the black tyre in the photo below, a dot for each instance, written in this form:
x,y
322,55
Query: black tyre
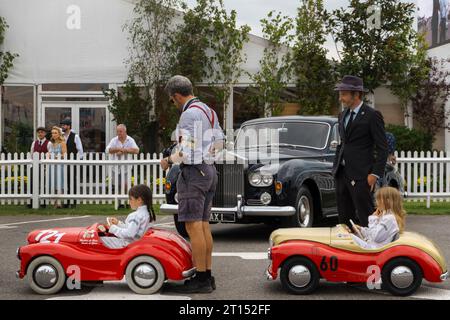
x,y
180,226
304,214
299,275
401,277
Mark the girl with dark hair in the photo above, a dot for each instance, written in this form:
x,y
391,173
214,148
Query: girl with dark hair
x,y
137,222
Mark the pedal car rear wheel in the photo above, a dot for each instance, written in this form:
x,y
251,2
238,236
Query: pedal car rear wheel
x,y
145,275
401,276
299,275
46,275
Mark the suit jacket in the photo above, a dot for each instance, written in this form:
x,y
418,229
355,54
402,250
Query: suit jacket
x,y
364,146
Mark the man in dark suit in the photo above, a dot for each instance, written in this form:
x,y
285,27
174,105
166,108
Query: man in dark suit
x,y
361,156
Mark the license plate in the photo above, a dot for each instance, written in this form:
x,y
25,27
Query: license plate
x,y
222,217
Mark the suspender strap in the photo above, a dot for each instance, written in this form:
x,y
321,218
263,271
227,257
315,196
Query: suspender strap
x,y
211,121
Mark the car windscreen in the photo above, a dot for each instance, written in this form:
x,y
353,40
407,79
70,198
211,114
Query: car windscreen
x,y
301,134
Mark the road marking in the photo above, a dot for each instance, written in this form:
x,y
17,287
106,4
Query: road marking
x,y
243,255
14,224
118,290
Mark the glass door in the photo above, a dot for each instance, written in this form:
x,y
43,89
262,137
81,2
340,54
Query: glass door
x,y
89,121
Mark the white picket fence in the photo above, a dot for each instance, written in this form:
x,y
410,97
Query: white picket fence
x,y
34,179
98,178
426,175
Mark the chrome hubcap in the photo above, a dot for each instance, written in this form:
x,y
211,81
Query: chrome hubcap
x,y
144,275
304,211
402,277
299,276
45,276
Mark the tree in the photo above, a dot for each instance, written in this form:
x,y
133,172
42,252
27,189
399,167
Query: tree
x,y
431,97
275,66
227,42
416,69
314,73
6,58
191,41
150,54
376,37
131,109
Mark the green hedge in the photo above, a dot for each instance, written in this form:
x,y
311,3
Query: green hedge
x,y
410,139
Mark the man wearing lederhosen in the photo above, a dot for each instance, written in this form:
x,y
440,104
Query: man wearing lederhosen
x,y
199,138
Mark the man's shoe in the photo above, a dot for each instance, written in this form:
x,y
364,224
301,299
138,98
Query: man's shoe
x,y
213,282
195,286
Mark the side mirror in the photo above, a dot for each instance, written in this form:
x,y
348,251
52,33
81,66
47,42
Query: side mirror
x,y
334,144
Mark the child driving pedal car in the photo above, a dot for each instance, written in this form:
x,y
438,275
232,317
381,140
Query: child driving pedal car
x,y
385,223
137,222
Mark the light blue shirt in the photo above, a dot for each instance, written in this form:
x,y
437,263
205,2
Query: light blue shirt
x,y
197,135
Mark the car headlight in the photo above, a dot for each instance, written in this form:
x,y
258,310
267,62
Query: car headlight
x,y
18,253
257,179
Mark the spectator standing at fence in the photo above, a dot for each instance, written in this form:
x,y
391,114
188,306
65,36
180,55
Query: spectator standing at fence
x,y
41,144
119,148
75,148
57,149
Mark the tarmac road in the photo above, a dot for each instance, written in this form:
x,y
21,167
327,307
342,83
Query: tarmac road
x,y
240,260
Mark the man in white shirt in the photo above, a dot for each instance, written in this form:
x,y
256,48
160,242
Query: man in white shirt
x,y
122,144
118,148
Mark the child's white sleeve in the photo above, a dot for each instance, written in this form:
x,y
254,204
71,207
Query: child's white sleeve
x,y
382,230
129,231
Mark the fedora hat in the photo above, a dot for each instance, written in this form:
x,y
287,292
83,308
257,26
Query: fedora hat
x,y
351,83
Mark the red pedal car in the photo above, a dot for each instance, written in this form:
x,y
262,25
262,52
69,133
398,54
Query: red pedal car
x,y
305,255
52,256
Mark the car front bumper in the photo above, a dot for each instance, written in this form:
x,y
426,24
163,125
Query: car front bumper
x,y
240,210
246,211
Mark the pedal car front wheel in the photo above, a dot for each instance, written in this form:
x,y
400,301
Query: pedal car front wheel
x,y
401,276
145,275
46,275
299,275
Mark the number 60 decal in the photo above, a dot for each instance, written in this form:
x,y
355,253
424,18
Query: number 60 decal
x,y
47,235
333,264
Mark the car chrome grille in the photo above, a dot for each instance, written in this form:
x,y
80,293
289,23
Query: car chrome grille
x,y
230,184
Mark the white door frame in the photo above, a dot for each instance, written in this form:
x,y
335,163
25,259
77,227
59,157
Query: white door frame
x,y
75,114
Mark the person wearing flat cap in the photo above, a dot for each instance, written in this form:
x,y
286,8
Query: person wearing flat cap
x,y
361,154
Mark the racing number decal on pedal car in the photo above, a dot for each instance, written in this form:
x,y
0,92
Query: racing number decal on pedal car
x,y
333,264
46,235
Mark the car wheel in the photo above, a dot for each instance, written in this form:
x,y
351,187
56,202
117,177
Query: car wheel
x,y
299,275
180,226
46,275
145,275
401,276
304,213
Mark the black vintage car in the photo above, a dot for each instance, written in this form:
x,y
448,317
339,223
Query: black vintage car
x,y
277,172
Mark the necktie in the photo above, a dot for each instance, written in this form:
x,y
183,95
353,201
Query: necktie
x,y
349,124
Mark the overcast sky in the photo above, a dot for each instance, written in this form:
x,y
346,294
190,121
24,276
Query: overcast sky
x,y
250,12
